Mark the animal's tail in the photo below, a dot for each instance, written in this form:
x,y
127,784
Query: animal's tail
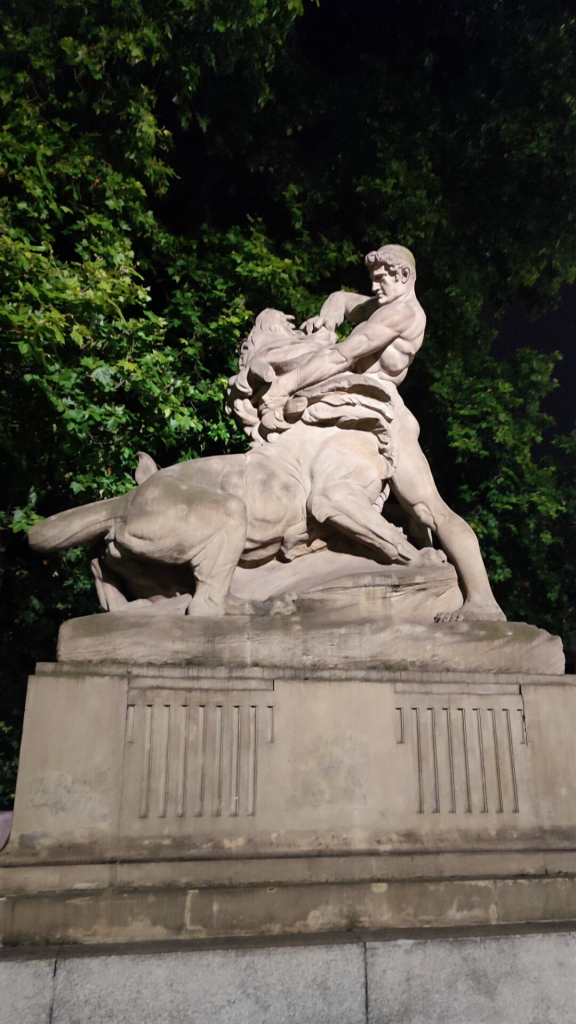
x,y
78,526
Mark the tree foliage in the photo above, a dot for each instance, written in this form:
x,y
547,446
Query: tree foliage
x,y
169,168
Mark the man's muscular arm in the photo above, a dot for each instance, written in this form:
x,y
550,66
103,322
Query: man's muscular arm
x,y
369,339
340,306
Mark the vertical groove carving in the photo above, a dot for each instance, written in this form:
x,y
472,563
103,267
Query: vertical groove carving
x,y
419,760
436,807
195,759
200,763
466,762
145,769
271,725
482,762
252,760
217,794
400,732
163,754
451,761
183,714
512,764
130,724
500,807
470,765
235,762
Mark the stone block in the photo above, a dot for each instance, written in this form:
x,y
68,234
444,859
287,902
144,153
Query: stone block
x,y
132,767
72,753
26,990
323,640
513,979
305,985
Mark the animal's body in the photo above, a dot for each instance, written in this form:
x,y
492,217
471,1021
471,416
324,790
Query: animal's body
x,y
200,519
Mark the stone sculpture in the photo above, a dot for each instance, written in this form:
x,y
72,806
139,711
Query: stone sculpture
x,y
330,437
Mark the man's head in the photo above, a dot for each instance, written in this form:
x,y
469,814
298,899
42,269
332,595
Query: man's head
x,y
393,271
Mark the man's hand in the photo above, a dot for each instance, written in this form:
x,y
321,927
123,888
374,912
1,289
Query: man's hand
x,y
276,396
340,306
316,323
272,406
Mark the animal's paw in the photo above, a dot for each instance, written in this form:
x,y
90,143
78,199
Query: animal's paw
x,y
430,556
284,604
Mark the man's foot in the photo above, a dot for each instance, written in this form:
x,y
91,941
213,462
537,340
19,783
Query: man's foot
x,y
473,611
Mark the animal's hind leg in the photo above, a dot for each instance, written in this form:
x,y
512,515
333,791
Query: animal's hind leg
x,y
346,481
172,521
349,510
175,522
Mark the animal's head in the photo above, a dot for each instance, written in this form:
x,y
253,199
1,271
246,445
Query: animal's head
x,y
273,347
268,322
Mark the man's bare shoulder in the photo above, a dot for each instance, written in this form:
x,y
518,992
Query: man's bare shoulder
x,y
405,317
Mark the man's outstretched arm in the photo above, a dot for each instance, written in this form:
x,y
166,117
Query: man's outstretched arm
x,y
366,340
341,306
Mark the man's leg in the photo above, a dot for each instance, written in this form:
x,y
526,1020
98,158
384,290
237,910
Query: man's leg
x,y
413,485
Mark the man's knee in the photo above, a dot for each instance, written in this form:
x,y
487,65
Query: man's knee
x,y
408,422
432,513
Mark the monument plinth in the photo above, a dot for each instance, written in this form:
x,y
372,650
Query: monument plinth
x,y
197,798
295,714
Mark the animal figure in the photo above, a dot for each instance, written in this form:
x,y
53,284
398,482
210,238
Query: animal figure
x,y
186,528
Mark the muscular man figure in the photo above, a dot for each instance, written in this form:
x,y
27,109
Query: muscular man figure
x,y
389,332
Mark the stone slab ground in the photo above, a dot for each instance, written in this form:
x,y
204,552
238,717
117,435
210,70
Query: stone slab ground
x,y
482,979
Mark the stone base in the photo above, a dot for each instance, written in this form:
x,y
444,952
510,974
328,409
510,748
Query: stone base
x,y
188,801
326,640
181,901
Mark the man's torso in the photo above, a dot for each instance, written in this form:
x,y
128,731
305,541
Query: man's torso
x,y
393,362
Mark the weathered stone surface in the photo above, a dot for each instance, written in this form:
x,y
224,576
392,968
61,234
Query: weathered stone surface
x,y
140,767
315,985
70,763
514,979
191,805
26,989
5,826
370,898
324,640
400,593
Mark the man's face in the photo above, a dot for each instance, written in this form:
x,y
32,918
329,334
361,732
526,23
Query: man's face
x,y
389,280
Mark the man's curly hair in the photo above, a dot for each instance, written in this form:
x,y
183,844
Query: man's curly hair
x,y
401,257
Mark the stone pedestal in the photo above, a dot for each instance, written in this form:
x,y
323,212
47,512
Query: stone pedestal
x,y
226,792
